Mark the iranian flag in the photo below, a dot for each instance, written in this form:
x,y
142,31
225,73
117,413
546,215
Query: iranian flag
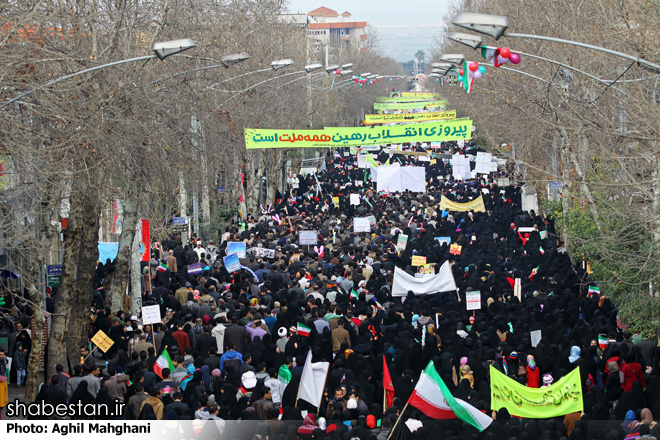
x,y
354,294
468,77
593,290
163,362
162,267
603,342
302,329
490,55
432,397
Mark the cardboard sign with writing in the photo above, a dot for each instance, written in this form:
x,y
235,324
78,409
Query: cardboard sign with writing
x,y
309,238
543,234
231,263
401,242
102,341
151,315
473,300
418,260
455,249
361,224
372,220
238,248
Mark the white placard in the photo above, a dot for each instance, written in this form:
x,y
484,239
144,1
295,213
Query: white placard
x,y
361,224
355,199
151,315
526,229
309,238
535,337
473,300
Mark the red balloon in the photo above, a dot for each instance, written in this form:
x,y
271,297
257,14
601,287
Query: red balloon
x,y
460,72
505,52
474,66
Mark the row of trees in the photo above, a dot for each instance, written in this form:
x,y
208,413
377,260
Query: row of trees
x,y
81,143
600,141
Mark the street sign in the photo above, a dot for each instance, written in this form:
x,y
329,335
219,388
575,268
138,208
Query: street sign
x,y
54,275
179,221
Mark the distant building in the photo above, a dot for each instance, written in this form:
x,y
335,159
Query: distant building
x,y
327,27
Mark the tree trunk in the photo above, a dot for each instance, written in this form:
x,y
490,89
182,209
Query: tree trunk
x,y
275,174
32,373
86,260
115,286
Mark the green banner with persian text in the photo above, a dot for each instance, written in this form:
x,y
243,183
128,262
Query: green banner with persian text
x,y
558,399
409,117
408,106
334,137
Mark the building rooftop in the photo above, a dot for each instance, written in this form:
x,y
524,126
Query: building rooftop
x,y
324,12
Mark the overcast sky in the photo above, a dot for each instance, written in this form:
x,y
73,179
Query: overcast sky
x,y
405,26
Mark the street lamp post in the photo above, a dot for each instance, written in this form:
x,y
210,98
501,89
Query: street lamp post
x,y
496,26
475,42
228,60
161,50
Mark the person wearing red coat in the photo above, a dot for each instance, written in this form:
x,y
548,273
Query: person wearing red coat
x,y
533,373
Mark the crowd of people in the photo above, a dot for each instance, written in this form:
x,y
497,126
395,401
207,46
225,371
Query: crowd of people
x,y
237,352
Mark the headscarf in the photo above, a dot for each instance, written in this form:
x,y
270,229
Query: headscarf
x,y
206,375
531,362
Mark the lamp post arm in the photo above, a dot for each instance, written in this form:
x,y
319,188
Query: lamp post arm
x,y
72,75
238,92
606,83
517,71
239,76
308,76
587,46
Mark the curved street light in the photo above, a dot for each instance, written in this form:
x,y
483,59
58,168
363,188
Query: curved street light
x,y
161,51
475,42
496,26
227,60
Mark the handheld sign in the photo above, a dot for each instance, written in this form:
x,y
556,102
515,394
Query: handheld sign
x,y
455,249
102,341
402,242
309,238
231,263
473,300
238,248
361,224
418,260
151,315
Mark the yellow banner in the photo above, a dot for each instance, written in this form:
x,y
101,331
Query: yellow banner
x,y
409,99
409,117
559,399
408,106
417,95
476,205
438,131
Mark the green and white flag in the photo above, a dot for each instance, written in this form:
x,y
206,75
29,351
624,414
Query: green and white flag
x,y
468,77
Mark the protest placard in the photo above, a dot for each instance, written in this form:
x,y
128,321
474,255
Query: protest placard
x,y
401,242
238,248
231,263
151,315
102,341
308,238
361,224
473,300
418,260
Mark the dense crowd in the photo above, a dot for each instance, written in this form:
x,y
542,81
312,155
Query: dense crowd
x,y
234,338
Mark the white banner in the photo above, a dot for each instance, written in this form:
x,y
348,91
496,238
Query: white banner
x,y
442,282
398,179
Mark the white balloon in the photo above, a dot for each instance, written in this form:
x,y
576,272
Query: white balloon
x,y
502,60
476,74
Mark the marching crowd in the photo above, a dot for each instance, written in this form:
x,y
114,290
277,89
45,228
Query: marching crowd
x,y
238,341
